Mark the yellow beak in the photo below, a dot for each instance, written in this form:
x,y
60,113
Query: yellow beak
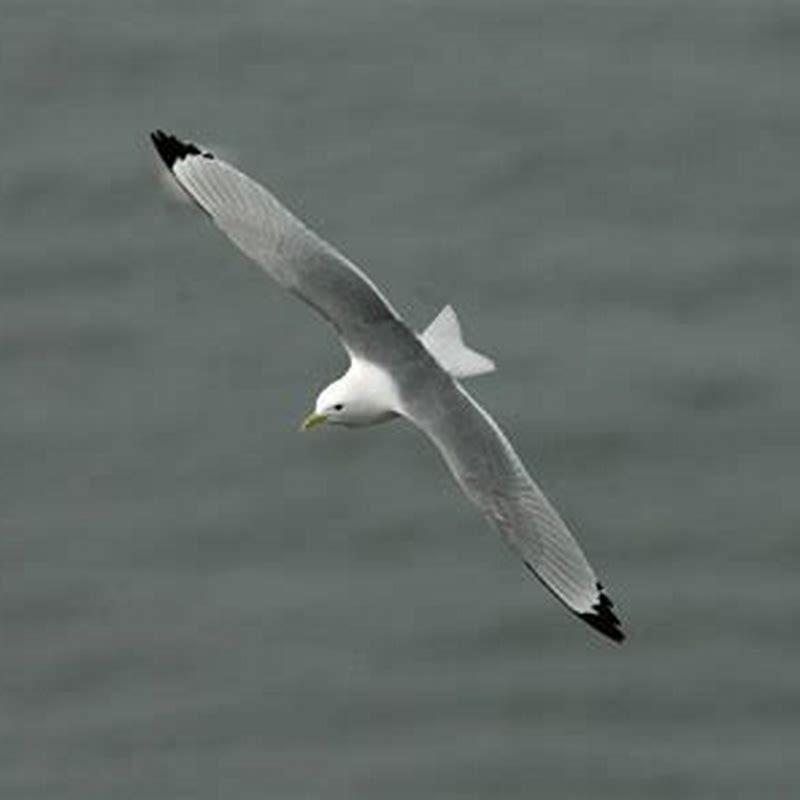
x,y
312,420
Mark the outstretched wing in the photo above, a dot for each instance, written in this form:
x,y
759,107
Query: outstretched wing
x,y
253,219
492,476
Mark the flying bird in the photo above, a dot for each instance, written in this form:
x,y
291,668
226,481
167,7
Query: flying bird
x,y
395,372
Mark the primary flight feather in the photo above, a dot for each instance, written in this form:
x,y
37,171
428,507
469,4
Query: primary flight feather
x,y
395,372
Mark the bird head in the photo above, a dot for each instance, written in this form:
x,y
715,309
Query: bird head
x,y
335,405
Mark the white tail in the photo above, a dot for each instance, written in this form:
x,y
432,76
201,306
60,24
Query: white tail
x,y
442,339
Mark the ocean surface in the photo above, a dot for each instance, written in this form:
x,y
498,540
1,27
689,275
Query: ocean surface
x,y
198,602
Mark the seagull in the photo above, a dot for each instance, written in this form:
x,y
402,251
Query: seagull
x,y
396,372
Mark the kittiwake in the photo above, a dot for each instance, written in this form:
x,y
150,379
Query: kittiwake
x,y
395,372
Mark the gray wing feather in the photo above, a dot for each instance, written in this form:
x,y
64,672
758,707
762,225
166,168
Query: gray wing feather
x,y
493,477
261,227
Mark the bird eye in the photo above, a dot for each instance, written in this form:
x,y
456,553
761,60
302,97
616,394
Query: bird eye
x,y
338,407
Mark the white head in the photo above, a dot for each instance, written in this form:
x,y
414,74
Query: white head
x,y
360,397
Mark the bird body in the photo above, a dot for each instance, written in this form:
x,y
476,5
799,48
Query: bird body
x,y
365,395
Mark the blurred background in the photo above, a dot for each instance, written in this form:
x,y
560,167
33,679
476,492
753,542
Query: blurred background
x,y
198,602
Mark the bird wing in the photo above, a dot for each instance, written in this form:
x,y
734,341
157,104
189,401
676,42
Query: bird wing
x,y
493,477
299,260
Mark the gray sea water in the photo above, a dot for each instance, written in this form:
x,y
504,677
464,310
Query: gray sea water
x,y
197,602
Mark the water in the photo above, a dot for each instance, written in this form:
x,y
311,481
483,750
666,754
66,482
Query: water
x,y
197,602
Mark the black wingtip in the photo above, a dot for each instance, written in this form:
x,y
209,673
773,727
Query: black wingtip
x,y
172,149
603,619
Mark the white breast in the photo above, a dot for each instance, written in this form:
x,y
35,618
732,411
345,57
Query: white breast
x,y
372,389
